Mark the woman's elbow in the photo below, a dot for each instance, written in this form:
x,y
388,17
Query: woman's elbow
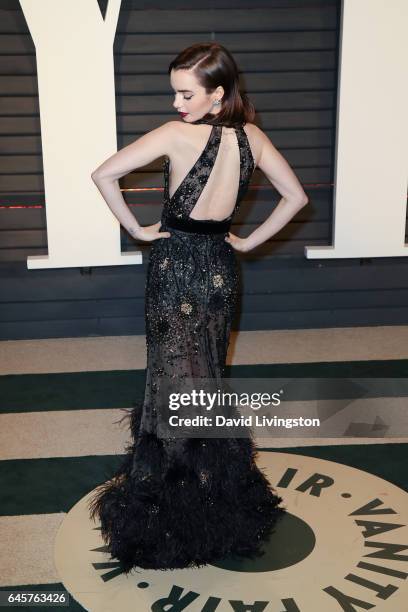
x,y
298,202
100,175
302,199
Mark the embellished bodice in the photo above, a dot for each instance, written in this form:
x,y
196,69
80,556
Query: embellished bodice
x,y
220,177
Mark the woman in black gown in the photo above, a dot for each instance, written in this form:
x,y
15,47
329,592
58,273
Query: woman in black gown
x,y
180,502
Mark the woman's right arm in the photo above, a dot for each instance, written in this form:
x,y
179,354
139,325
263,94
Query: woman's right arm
x,y
141,152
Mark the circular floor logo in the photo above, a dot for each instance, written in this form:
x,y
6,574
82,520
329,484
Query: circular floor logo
x,y
341,546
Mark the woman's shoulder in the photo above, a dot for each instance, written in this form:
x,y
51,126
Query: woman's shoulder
x,y
180,130
256,138
171,135
254,132
172,126
184,138
253,129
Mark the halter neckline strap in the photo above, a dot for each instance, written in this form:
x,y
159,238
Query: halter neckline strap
x,y
208,122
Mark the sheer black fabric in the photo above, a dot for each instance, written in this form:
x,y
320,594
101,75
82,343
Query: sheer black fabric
x,y
186,502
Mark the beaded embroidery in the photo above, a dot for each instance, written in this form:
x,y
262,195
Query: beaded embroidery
x,y
169,484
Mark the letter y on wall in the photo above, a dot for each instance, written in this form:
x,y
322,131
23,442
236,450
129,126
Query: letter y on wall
x,y
74,52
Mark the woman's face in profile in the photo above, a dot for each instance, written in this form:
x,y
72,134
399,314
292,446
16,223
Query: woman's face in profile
x,y
190,99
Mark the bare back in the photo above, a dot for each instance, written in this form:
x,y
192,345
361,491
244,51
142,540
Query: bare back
x,y
217,199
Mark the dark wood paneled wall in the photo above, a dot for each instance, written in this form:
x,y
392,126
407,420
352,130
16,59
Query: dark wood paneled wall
x,y
287,51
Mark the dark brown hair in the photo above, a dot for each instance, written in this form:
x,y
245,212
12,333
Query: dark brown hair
x,y
213,65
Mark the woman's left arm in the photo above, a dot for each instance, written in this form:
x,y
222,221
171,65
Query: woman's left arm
x,y
142,151
280,174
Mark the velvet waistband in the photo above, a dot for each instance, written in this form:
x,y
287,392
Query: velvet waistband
x,y
198,226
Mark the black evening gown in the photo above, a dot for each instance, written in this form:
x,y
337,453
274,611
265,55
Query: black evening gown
x,y
185,502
